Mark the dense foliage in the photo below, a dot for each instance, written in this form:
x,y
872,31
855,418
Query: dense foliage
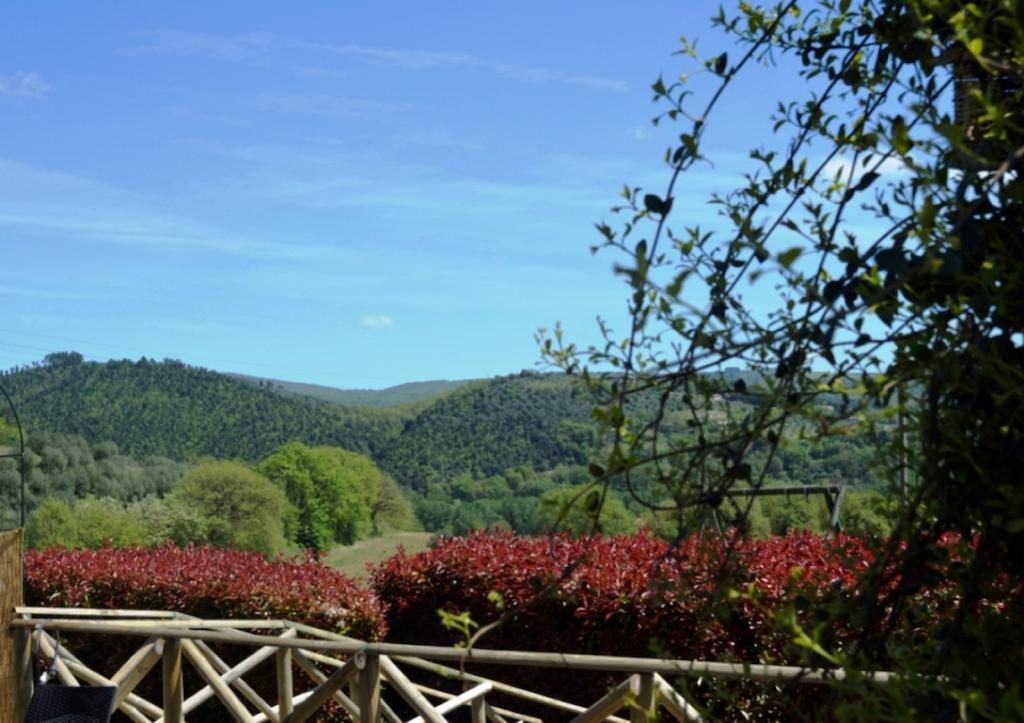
x,y
69,467
626,595
333,490
172,409
484,428
411,393
884,217
205,582
233,506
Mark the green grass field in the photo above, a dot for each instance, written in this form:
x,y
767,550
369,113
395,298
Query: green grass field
x,y
352,559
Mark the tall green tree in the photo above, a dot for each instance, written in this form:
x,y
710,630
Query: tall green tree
x,y
886,215
334,491
237,506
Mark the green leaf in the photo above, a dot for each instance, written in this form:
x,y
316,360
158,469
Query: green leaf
x,y
721,63
787,257
655,205
901,142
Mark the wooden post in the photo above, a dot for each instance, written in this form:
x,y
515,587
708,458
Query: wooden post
x,y
174,689
642,710
15,677
368,698
285,683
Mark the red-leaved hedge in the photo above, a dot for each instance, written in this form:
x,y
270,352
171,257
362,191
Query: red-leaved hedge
x,y
205,582
626,595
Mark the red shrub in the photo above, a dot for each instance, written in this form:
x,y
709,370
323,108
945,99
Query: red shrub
x,y
205,582
629,595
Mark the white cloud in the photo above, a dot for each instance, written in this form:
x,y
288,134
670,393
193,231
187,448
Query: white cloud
x,y
26,85
376,321
235,48
888,167
428,59
40,293
330,106
72,206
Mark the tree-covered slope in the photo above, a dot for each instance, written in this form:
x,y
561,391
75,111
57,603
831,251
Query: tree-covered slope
x,y
486,427
172,409
409,393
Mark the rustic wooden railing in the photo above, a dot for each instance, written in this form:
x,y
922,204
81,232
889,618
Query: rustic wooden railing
x,y
361,677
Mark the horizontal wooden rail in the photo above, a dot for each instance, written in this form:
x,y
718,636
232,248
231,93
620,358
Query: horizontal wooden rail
x,y
331,661
568,661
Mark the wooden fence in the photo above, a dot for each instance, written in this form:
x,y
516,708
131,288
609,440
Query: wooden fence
x,y
363,678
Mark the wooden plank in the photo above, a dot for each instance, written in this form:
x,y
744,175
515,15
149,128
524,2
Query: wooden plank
x,y
642,709
457,701
308,707
368,698
389,715
674,702
317,677
285,683
492,715
262,717
226,696
46,612
500,687
445,695
404,687
174,688
478,711
610,702
568,661
48,646
12,671
233,676
131,673
23,672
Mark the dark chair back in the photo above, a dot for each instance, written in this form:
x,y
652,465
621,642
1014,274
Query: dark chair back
x,y
70,704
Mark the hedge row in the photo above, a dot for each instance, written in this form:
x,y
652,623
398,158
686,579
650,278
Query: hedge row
x,y
206,582
627,595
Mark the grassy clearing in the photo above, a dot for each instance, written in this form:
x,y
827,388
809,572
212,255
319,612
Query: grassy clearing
x,y
352,559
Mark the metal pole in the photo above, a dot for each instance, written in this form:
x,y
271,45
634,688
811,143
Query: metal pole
x,y
21,449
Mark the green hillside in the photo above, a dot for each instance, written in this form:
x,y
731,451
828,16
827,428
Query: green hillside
x,y
410,393
484,428
178,411
169,408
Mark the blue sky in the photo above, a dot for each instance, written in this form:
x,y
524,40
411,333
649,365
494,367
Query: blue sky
x,y
351,194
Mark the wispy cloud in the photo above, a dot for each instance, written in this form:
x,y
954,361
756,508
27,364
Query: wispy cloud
x,y
188,112
24,292
44,201
248,47
329,106
376,321
237,47
428,59
23,84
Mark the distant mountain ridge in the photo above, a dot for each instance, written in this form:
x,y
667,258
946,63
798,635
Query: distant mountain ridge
x,y
408,393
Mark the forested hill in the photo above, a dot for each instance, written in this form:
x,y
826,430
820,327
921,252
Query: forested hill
x,y
487,427
171,409
409,393
179,411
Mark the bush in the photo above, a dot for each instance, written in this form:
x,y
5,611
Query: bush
x,y
628,595
205,582
237,506
87,522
